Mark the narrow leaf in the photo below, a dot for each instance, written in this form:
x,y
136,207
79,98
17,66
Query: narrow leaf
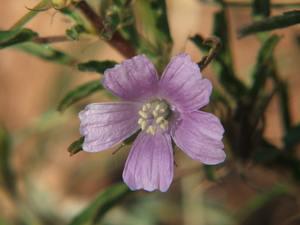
x,y
287,19
76,146
47,53
96,66
162,24
284,105
261,8
292,137
106,200
13,37
75,31
7,177
264,65
224,64
79,93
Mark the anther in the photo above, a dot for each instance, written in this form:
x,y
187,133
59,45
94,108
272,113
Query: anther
x,y
159,119
163,125
144,108
143,114
143,125
153,116
157,107
151,130
140,121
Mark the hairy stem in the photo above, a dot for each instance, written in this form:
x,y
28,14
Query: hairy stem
x,y
117,41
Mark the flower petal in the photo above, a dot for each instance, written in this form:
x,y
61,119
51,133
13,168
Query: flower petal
x,y
107,124
149,165
199,135
182,84
133,79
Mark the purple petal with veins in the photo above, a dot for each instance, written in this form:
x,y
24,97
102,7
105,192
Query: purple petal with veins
x,y
161,109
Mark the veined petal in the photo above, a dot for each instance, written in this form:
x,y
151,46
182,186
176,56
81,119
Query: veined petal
x,y
199,135
134,79
182,84
107,124
149,165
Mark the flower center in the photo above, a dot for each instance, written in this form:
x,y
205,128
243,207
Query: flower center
x,y
154,116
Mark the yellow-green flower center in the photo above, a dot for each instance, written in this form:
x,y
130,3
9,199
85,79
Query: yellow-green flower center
x,y
154,116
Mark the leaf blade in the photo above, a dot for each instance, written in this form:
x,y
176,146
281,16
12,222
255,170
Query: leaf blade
x,y
107,199
7,177
47,53
14,37
79,93
287,19
96,66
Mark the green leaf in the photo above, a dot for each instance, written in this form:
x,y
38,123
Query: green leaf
x,y
79,93
96,66
14,37
106,200
47,53
76,146
284,104
292,137
74,16
7,177
223,61
5,35
75,31
160,9
264,65
261,8
287,19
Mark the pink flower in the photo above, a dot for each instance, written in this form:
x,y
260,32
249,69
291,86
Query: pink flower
x,y
161,108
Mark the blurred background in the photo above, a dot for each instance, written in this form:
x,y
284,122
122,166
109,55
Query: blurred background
x,y
51,187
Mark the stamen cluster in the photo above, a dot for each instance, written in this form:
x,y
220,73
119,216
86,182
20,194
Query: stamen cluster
x,y
154,116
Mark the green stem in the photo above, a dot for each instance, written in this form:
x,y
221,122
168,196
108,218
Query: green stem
x,y
32,13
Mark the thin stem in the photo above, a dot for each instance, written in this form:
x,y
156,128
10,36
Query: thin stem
x,y
32,13
117,41
51,39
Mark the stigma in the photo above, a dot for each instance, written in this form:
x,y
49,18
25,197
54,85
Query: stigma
x,y
153,116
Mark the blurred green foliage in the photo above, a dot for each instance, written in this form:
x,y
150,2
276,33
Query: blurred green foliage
x,y
102,203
